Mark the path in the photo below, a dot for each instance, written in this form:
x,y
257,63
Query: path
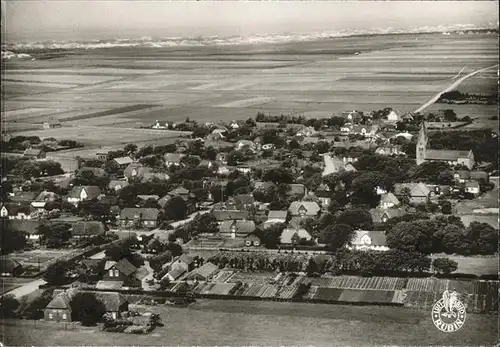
x,y
450,88
26,288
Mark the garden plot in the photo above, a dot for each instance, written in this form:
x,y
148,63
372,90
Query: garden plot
x,y
356,282
248,102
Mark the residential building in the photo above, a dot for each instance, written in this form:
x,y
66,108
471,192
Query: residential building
x,y
81,193
304,209
294,236
388,200
203,273
369,240
472,187
451,157
9,267
123,162
116,185
393,116
323,193
236,228
43,198
52,123
383,215
59,309
418,193
177,269
352,116
229,215
132,217
299,191
252,240
274,217
122,271
86,230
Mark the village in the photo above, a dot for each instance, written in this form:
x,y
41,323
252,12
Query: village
x,y
373,208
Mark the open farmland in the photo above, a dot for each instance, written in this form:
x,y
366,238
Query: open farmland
x,y
317,78
220,322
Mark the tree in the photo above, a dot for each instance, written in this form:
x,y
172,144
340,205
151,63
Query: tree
x,y
277,176
34,309
450,239
10,239
338,235
271,237
312,267
482,237
444,265
130,148
446,207
357,218
414,236
56,273
210,153
175,209
164,283
87,308
293,144
8,306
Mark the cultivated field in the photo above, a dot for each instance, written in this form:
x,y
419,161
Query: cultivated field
x,y
38,257
210,83
273,323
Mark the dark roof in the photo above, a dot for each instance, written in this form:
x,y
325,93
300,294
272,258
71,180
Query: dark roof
x,y
242,227
88,228
443,154
277,214
98,172
125,267
136,213
222,215
243,200
47,196
477,175
108,200
297,189
416,189
92,192
23,196
8,265
92,263
378,213
186,258
28,226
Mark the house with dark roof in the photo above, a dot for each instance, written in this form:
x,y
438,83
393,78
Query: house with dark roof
x,y
294,236
116,185
324,194
236,228
86,230
43,198
480,176
297,190
419,193
132,217
369,240
304,209
383,215
34,153
9,267
225,215
122,271
59,308
461,176
81,193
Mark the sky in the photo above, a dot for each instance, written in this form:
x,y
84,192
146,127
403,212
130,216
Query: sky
x,y
97,19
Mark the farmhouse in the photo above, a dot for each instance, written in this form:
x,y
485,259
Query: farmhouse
x,y
122,271
388,200
369,240
294,236
451,157
52,123
204,272
43,198
116,185
85,230
304,209
240,228
274,217
139,217
173,159
81,193
123,162
418,193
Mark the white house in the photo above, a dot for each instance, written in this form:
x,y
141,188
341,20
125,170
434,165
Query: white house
x,y
472,187
393,116
3,212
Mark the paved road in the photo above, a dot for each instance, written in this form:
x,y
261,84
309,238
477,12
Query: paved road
x,y
450,88
26,288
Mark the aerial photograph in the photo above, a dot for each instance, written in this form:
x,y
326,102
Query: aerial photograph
x,y
249,173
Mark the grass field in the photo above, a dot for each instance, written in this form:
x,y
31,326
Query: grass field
x,y
250,323
209,83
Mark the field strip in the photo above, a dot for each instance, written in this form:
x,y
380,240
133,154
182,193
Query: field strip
x,y
449,88
248,102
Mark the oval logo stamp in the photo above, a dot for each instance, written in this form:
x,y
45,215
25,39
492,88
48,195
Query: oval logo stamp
x,y
448,313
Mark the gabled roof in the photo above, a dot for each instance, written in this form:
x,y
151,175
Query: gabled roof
x,y
221,215
177,270
378,213
312,208
186,259
442,154
92,192
125,267
277,214
377,238
23,196
88,228
123,160
288,234
297,189
147,197
33,152
60,302
332,165
242,227
179,191
46,196
112,301
206,271
389,198
115,183
8,265
243,200
416,189
136,213
472,184
148,176
477,175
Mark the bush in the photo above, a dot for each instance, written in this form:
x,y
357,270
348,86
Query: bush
x,y
8,306
444,265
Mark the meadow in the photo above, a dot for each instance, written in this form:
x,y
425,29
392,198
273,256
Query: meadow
x,y
220,322
316,79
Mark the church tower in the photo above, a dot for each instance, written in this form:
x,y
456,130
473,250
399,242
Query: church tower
x,y
422,144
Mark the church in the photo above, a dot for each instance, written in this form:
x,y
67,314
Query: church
x,y
452,157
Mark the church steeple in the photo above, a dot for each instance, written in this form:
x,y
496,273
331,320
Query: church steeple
x,y
422,144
